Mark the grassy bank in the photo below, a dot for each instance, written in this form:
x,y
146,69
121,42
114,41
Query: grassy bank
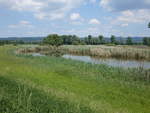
x,y
56,85
124,52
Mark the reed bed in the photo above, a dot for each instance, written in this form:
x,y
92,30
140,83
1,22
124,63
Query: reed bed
x,y
122,52
45,50
119,52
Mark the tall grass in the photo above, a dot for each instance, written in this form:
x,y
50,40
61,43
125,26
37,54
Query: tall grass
x,y
46,50
18,98
121,52
125,52
57,85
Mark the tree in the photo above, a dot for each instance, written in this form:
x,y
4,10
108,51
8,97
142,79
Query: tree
x,y
129,41
75,40
149,25
100,37
113,39
53,40
89,39
146,41
1,43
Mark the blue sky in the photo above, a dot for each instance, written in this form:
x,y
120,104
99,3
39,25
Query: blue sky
x,y
81,17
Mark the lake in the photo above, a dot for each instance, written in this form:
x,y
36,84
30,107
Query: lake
x,y
110,61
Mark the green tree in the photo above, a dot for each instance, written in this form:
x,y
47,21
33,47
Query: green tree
x,y
129,41
113,39
101,39
75,40
89,39
149,25
53,40
146,41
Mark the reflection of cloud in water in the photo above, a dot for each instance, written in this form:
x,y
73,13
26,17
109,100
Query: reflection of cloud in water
x,y
37,54
111,62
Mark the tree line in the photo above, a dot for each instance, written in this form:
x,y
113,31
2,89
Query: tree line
x,y
16,42
57,40
54,39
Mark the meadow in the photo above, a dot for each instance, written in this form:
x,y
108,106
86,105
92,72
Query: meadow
x,y
51,84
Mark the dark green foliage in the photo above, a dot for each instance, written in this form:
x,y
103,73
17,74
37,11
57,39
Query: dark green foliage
x,y
146,41
1,43
90,39
71,40
101,39
74,40
129,41
113,39
53,40
16,42
149,25
94,40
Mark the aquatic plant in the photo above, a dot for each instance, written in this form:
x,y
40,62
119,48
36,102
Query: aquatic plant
x,y
122,52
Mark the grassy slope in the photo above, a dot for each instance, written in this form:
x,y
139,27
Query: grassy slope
x,y
48,84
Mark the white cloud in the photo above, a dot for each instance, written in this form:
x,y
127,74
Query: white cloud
x,y
92,1
136,16
124,25
21,24
131,17
75,16
76,19
94,21
122,5
77,23
23,5
24,22
130,11
51,9
104,4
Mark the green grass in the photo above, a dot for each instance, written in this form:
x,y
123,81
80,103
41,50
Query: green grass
x,y
56,85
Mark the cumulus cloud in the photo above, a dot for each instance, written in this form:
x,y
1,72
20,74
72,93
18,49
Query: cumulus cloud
x,y
130,11
92,1
51,9
136,16
120,5
21,24
94,21
75,16
23,5
76,19
124,25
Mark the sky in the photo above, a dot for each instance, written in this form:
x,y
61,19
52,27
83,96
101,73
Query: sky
x,y
24,18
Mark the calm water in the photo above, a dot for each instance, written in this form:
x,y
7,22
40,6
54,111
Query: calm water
x,y
110,62
37,54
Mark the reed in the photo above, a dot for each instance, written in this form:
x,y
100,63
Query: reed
x,y
45,50
122,52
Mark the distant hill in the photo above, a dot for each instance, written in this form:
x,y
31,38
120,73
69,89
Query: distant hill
x,y
25,39
38,39
123,39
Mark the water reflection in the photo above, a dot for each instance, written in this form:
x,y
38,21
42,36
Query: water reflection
x,y
37,54
110,62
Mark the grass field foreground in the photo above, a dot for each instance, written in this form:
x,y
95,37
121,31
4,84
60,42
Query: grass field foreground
x,y
56,85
